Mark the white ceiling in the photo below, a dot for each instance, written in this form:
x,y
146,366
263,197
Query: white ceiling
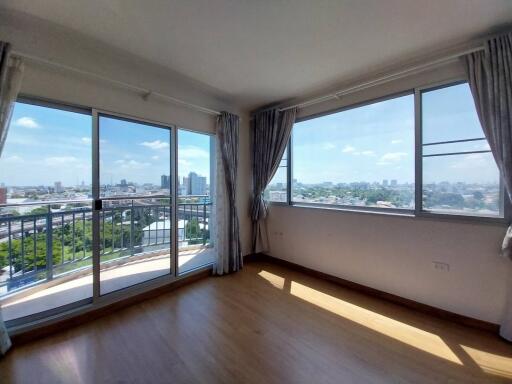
x,y
262,51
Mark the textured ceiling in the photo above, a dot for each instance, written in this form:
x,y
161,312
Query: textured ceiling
x,y
264,51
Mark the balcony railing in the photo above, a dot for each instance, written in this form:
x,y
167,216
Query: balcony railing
x,y
48,243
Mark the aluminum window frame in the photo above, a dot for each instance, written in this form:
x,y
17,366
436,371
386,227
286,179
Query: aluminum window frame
x,y
351,208
97,300
505,205
213,193
418,211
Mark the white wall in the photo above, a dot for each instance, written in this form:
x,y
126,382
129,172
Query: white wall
x,y
395,253
38,38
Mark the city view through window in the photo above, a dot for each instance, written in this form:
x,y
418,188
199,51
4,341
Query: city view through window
x,y
365,156
46,191
47,157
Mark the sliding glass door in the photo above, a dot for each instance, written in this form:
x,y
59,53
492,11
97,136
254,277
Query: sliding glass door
x,y
93,203
195,200
135,214
45,211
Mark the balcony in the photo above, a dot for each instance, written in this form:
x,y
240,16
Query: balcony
x,y
46,255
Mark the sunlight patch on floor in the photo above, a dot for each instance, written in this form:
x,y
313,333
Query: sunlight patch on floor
x,y
397,330
490,362
275,280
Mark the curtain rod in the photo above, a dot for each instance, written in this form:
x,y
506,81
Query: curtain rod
x,y
383,79
145,92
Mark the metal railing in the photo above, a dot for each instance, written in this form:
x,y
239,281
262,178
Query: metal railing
x,y
42,245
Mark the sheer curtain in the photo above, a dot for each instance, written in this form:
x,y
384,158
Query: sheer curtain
x,y
490,78
11,73
227,232
271,130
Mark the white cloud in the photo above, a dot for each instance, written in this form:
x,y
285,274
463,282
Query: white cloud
x,y
397,141
470,161
192,152
368,153
13,159
184,162
391,158
27,122
157,144
60,160
328,146
155,157
348,149
132,164
86,140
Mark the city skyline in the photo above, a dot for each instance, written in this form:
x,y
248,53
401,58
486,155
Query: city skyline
x,y
376,141
46,145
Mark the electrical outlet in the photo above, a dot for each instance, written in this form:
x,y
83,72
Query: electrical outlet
x,y
440,266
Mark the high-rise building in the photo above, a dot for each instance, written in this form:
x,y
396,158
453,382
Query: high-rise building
x,y
165,182
196,184
394,183
385,182
58,187
3,195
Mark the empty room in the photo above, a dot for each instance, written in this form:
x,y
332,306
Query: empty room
x,y
266,191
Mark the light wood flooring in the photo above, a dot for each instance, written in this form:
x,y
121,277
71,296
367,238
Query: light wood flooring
x,y
266,324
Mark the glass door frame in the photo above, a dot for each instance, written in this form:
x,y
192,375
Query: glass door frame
x,y
98,297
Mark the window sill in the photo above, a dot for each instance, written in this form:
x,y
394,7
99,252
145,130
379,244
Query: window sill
x,y
404,213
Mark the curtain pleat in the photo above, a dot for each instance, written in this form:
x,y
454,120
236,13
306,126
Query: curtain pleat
x,y
490,79
227,231
271,130
11,73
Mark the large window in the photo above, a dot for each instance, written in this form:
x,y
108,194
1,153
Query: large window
x,y
361,157
195,175
45,208
82,188
459,172
423,153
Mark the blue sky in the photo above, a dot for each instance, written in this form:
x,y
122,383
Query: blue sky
x,y
370,143
47,145
376,142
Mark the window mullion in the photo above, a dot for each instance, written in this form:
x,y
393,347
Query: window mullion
x,y
418,154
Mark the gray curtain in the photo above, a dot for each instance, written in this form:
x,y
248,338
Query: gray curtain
x,y
490,78
5,342
271,131
229,254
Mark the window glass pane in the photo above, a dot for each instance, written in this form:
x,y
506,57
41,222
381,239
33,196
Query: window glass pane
x,y
134,158
359,157
135,233
463,184
47,155
449,114
194,200
276,189
45,238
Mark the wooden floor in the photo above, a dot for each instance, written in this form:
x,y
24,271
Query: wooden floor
x,y
266,324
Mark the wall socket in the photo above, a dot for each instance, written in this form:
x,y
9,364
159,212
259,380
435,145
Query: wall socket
x,y
440,266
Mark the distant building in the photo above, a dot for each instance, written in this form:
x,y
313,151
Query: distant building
x,y
58,187
165,182
123,183
196,184
394,183
3,195
385,183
